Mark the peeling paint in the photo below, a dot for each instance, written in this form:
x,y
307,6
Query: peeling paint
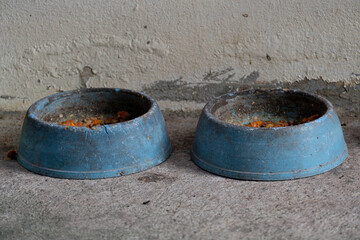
x,y
85,76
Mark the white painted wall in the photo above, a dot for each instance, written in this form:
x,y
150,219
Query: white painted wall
x,y
45,44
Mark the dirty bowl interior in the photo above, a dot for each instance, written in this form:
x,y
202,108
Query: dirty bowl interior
x,y
88,104
224,146
242,109
103,151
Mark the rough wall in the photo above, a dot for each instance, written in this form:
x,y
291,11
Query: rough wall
x,y
180,52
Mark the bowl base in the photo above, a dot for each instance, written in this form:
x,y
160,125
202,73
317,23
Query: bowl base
x,y
263,176
94,174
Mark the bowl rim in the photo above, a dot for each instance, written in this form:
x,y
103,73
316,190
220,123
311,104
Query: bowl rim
x,y
211,103
30,112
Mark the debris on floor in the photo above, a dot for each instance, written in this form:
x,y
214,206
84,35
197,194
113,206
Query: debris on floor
x,y
11,155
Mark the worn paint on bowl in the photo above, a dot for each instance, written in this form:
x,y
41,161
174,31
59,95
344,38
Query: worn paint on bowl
x,y
224,147
105,151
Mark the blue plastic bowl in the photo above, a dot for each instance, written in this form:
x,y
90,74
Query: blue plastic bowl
x,y
105,151
225,147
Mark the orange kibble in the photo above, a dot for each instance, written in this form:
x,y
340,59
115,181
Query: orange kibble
x,y
121,116
254,124
281,123
111,120
67,123
309,119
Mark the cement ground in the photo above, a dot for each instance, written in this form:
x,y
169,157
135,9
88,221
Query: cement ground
x,y
178,200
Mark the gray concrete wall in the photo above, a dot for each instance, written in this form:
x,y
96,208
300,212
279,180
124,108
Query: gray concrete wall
x,y
181,52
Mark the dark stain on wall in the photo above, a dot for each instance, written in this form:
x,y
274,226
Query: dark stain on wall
x,y
212,84
346,98
9,97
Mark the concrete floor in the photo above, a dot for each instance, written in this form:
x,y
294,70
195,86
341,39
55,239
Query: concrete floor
x,y
177,200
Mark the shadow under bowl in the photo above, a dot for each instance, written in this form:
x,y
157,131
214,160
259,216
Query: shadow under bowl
x,y
224,146
103,151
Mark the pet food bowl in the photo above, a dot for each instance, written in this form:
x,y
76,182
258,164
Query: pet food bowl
x,y
103,151
224,146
